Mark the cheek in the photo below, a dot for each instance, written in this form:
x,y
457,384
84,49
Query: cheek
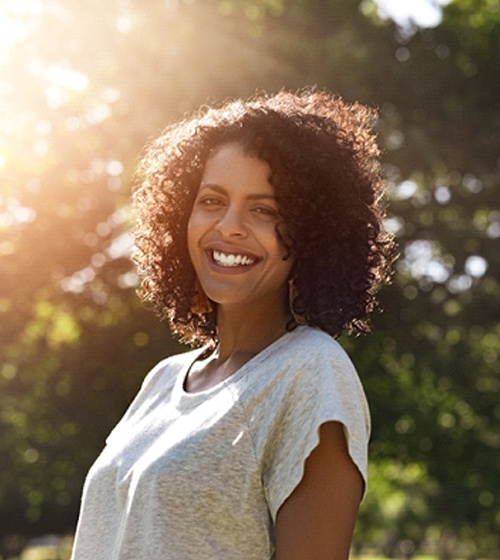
x,y
193,224
197,227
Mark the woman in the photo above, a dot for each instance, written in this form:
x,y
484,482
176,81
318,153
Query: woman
x,y
260,238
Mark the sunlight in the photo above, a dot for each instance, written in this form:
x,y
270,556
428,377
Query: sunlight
x,y
422,260
12,212
476,266
67,78
61,81
422,13
404,190
13,30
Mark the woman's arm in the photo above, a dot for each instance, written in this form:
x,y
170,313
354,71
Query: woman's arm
x,y
316,521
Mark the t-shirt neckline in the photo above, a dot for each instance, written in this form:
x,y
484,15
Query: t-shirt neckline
x,y
181,393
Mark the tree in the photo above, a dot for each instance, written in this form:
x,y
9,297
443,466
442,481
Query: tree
x,y
438,340
84,86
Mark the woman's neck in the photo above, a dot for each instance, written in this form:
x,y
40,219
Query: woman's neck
x,y
247,331
243,332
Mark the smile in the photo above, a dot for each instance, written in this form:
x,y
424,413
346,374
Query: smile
x,y
232,260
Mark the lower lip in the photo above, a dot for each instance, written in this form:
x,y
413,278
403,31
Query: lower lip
x,y
240,269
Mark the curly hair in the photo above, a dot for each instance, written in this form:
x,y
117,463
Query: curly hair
x,y
327,177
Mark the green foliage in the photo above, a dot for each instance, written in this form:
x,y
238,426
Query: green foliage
x,y
82,88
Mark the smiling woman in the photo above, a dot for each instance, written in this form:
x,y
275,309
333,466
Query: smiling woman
x,y
260,238
326,180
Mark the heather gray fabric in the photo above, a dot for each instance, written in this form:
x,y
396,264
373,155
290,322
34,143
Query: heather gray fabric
x,y
201,476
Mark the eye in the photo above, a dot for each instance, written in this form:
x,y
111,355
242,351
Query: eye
x,y
266,211
210,201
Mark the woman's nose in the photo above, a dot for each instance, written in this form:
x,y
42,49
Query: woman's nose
x,y
231,223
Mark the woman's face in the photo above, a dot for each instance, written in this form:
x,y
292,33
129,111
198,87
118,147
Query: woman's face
x,y
232,237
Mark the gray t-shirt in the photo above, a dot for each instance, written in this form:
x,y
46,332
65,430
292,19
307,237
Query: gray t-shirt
x,y
201,476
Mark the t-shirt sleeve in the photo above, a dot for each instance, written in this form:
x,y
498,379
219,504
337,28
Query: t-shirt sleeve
x,y
320,387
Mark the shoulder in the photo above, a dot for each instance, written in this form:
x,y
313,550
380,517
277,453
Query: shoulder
x,y
316,342
156,389
314,357
308,381
307,371
323,375
317,379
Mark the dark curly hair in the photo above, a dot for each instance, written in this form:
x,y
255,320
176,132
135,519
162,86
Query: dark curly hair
x,y
327,176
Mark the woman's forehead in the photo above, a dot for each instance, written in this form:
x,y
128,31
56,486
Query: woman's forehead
x,y
232,166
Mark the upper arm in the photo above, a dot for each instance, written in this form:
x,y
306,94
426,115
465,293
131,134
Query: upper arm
x,y
317,520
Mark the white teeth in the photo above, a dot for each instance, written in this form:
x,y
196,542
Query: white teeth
x,y
229,259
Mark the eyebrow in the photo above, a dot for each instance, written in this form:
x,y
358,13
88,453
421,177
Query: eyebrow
x,y
222,190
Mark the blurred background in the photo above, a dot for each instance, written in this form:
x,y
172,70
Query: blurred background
x,y
85,83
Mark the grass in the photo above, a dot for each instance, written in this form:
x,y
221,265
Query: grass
x,y
60,549
63,551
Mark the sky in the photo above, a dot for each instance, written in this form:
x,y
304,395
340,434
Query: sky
x,y
424,13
